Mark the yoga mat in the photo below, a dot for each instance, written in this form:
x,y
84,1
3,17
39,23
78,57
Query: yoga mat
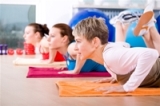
x,y
36,62
37,72
87,89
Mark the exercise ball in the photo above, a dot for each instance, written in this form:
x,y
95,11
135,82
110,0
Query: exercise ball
x,y
135,41
85,13
158,23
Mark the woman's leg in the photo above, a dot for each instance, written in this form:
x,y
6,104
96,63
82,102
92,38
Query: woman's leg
x,y
150,35
148,40
125,28
155,37
121,24
119,32
146,27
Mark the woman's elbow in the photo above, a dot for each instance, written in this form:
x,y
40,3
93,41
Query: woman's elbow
x,y
154,53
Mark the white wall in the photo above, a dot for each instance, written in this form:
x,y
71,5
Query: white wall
x,y
48,12
54,11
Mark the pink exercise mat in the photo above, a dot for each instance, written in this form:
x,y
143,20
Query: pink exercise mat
x,y
38,72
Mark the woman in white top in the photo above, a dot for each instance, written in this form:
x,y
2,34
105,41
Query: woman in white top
x,y
132,67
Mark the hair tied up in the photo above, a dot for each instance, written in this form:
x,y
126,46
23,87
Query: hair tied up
x,y
45,29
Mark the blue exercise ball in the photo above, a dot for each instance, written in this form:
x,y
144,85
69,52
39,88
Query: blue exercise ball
x,y
158,23
93,13
135,41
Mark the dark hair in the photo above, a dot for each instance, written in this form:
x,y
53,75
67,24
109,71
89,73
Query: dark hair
x,y
65,30
42,29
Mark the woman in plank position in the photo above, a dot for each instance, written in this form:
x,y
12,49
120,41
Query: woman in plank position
x,y
132,67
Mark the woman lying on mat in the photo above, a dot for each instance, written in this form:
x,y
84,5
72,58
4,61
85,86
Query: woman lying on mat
x,y
131,67
61,40
35,36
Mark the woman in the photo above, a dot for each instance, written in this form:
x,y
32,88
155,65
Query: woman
x,y
131,67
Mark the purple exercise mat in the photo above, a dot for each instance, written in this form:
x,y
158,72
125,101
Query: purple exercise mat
x,y
37,72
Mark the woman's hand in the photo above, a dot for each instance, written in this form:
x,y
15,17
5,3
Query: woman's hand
x,y
44,45
68,72
111,89
106,80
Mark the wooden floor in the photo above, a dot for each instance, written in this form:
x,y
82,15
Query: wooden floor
x,y
17,90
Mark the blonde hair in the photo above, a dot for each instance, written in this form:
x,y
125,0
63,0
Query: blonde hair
x,y
92,27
